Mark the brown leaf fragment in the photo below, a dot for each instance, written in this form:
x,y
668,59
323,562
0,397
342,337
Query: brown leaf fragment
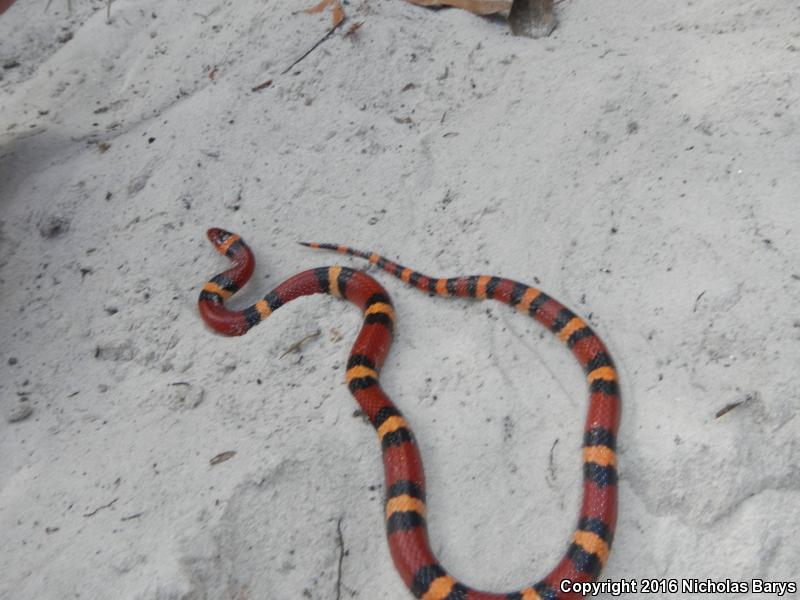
x,y
353,28
262,86
318,8
212,73
478,7
222,457
337,13
726,409
532,18
731,405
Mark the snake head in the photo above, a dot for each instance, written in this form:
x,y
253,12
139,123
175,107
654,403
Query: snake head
x,y
218,236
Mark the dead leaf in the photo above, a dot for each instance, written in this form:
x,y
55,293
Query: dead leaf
x,y
338,13
478,7
318,8
353,28
262,86
222,457
532,18
726,409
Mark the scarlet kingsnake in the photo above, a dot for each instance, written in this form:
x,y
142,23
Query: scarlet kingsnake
x,y
405,481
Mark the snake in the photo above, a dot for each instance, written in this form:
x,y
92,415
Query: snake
x,y
405,500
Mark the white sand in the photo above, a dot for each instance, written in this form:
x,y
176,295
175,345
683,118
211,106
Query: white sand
x,y
641,163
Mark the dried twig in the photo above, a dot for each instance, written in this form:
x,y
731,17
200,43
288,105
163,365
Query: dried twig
x,y
353,28
296,346
340,539
726,409
697,300
729,407
314,47
262,86
99,508
222,457
551,466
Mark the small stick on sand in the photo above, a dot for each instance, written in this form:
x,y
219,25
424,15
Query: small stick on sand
x,y
99,508
296,346
314,47
340,540
262,86
222,457
729,407
550,464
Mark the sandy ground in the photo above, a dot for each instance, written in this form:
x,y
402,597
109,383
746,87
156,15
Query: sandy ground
x,y
641,165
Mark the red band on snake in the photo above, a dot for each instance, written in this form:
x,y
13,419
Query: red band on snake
x,y
589,548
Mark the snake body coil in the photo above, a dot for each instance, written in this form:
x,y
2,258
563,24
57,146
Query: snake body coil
x,y
405,481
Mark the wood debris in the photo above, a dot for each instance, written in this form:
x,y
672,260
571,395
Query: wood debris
x,y
296,346
530,18
337,12
222,457
353,28
731,405
478,7
262,86
99,508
